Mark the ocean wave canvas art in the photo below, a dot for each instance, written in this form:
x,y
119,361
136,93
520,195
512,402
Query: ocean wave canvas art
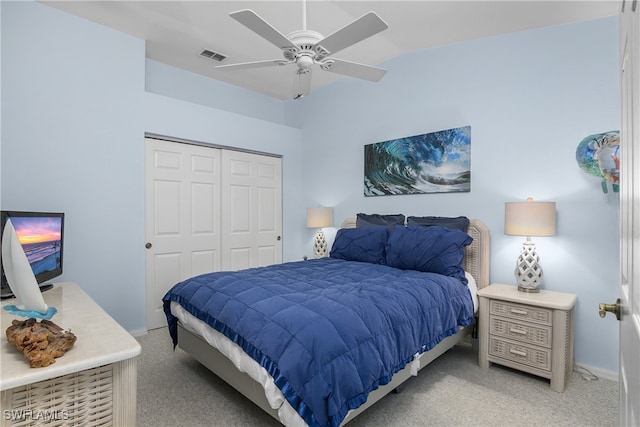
x,y
437,162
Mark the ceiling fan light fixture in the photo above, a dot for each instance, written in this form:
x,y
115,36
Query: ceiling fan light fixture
x,y
305,62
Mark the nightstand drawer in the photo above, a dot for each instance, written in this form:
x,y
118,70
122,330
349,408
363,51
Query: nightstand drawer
x,y
521,311
537,357
526,332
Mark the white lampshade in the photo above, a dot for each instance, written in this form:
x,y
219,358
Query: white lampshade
x,y
530,218
319,217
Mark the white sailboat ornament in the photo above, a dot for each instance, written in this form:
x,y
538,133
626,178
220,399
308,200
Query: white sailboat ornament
x,y
21,279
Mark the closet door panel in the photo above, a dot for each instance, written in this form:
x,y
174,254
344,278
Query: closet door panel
x,y
269,210
182,216
251,210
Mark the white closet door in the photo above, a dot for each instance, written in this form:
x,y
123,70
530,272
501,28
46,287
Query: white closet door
x,y
182,203
251,210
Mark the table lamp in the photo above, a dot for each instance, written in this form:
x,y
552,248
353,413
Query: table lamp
x,y
529,219
317,218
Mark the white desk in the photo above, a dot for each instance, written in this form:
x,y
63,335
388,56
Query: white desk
x,y
93,384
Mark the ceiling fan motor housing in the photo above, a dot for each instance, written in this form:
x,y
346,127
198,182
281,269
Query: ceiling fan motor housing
x,y
306,41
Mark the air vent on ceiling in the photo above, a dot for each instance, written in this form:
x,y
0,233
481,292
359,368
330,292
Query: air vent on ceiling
x,y
214,56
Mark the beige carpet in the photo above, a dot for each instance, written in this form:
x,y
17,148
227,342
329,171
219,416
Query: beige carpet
x,y
174,389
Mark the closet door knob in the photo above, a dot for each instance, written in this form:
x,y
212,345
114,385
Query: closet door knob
x,y
148,245
279,238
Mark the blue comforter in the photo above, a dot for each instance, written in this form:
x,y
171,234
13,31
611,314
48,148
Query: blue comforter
x,y
329,331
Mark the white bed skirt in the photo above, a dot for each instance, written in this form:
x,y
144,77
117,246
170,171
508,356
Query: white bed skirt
x,y
243,362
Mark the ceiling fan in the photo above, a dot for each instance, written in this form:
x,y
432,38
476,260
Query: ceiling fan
x,y
306,48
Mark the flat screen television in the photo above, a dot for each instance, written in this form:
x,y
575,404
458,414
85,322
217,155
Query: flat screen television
x,y
41,235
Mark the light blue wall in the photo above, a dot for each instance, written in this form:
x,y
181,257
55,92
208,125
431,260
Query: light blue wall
x,y
74,117
529,98
75,112
72,94
172,82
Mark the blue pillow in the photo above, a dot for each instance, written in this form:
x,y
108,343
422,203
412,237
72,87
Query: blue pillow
x,y
432,249
378,220
457,223
360,244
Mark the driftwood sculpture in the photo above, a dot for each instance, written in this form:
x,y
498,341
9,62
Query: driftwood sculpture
x,y
40,342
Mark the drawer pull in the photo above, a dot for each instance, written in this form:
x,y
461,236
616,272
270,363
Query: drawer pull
x,y
517,352
518,311
517,331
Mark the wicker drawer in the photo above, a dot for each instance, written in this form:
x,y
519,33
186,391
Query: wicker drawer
x,y
82,398
527,332
527,355
520,311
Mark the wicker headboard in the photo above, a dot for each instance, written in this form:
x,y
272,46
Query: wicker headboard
x,y
477,257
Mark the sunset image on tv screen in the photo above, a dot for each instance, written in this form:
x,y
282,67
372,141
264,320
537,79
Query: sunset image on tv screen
x,y
40,238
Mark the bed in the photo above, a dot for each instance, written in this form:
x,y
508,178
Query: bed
x,y
229,325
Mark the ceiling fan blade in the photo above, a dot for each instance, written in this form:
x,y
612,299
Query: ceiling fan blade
x,y
253,64
358,30
303,84
255,23
353,69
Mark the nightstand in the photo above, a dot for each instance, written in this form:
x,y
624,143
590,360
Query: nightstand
x,y
531,332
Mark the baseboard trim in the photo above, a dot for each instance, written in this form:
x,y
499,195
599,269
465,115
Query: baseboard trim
x,y
138,332
605,374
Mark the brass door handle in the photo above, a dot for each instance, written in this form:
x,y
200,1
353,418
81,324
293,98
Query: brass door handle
x,y
613,308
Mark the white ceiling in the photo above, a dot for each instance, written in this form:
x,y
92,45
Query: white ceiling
x,y
177,31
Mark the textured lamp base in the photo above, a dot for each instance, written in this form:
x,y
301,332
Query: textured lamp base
x,y
320,245
528,271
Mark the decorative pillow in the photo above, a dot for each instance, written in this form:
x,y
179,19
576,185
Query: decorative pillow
x,y
432,249
377,220
360,244
456,223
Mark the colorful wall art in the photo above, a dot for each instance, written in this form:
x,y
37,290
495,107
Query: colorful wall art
x,y
597,155
438,162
